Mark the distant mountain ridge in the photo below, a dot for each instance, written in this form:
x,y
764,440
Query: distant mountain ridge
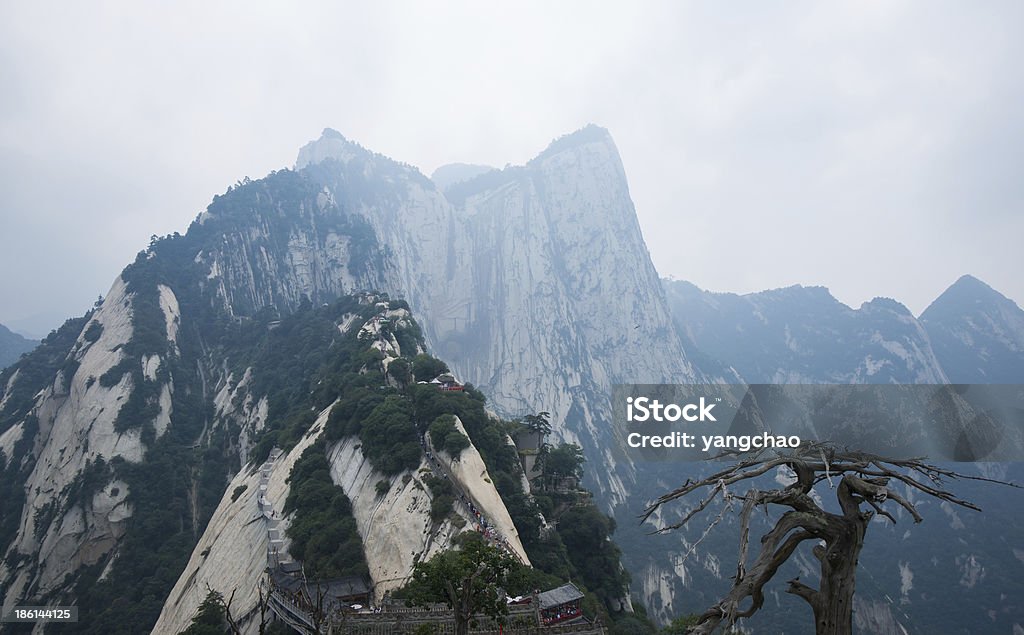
x,y
977,333
804,335
454,173
969,334
13,346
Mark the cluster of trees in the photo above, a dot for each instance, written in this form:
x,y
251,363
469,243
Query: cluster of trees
x,y
470,579
388,433
210,619
444,435
562,461
580,548
442,497
323,532
426,367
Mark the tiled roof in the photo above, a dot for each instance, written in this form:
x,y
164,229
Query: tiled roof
x,y
561,595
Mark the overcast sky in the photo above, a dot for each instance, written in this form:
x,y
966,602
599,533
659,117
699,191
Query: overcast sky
x,y
871,147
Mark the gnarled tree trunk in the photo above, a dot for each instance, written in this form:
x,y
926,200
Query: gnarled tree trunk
x,y
832,602
864,480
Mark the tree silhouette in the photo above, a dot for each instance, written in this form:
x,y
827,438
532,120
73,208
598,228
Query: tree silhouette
x,y
540,422
565,460
469,580
863,481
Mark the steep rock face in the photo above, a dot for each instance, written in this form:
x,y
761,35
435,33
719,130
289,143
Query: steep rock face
x,y
804,335
395,522
875,617
396,525
268,243
470,473
140,373
230,557
977,333
76,416
232,554
234,403
533,282
397,529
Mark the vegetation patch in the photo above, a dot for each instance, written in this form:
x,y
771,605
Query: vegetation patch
x,y
442,497
323,532
94,332
444,435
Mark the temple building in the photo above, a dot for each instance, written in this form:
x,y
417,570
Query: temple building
x,y
560,605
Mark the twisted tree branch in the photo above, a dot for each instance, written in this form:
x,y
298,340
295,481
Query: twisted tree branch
x,y
862,478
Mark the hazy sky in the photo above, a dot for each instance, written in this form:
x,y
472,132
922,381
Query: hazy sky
x,y
871,147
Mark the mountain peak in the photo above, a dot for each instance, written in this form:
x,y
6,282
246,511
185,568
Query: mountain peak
x,y
966,293
977,332
331,133
887,304
811,290
969,282
815,294
331,145
588,134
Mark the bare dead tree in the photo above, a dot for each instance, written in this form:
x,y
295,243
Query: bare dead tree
x,y
319,606
863,480
263,603
225,605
